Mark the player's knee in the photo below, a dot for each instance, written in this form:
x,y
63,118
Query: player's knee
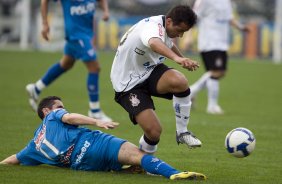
x,y
179,84
67,62
93,67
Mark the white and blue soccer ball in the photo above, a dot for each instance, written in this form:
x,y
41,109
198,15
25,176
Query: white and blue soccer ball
x,y
240,142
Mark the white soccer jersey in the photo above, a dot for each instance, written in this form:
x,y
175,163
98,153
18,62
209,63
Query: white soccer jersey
x,y
134,60
214,24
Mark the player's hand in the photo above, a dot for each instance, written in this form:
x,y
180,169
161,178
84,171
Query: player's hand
x,y
106,16
106,125
246,29
188,64
45,32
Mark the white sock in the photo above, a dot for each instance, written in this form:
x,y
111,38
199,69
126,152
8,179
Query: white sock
x,y
143,145
94,106
40,85
199,84
213,91
182,107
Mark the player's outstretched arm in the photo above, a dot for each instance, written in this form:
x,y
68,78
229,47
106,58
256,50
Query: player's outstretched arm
x,y
11,160
177,51
158,46
239,26
105,7
45,25
79,119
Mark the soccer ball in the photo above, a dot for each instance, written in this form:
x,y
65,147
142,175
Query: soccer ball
x,y
240,142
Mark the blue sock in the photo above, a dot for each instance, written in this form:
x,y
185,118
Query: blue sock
x,y
156,166
93,89
53,73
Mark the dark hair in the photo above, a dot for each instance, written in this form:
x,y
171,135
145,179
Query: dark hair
x,y
46,102
182,13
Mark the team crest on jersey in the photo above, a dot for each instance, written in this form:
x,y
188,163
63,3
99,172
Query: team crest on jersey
x,y
134,100
161,33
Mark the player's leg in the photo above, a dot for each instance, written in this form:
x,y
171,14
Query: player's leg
x,y
217,65
140,107
151,126
93,91
89,57
200,84
56,70
129,154
174,82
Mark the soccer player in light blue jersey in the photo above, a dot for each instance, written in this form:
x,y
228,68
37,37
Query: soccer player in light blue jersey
x,y
59,141
79,36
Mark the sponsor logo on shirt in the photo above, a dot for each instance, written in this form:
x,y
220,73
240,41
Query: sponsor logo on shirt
x,y
40,137
139,51
148,69
162,59
82,152
148,66
65,159
82,9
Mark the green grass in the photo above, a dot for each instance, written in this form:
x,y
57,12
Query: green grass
x,y
251,95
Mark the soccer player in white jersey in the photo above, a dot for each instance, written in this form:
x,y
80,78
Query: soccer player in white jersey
x,y
138,73
215,18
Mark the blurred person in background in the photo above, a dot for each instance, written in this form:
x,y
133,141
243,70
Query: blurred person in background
x,y
80,37
138,73
215,18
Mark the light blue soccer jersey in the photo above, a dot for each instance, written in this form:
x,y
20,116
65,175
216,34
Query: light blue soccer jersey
x,y
60,144
78,17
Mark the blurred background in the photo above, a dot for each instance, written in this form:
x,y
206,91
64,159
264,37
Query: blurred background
x,y
20,25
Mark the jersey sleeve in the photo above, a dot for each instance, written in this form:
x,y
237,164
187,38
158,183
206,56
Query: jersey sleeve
x,y
230,16
59,113
152,30
26,156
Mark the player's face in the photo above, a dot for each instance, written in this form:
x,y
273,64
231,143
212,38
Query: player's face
x,y
174,31
57,105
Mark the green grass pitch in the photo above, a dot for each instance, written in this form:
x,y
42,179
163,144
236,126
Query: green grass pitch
x,y
251,95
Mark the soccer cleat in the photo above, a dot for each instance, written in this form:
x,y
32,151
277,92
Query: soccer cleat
x,y
189,139
32,96
216,110
99,115
188,176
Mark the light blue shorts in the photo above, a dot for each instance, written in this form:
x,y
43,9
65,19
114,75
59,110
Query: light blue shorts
x,y
81,49
102,154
